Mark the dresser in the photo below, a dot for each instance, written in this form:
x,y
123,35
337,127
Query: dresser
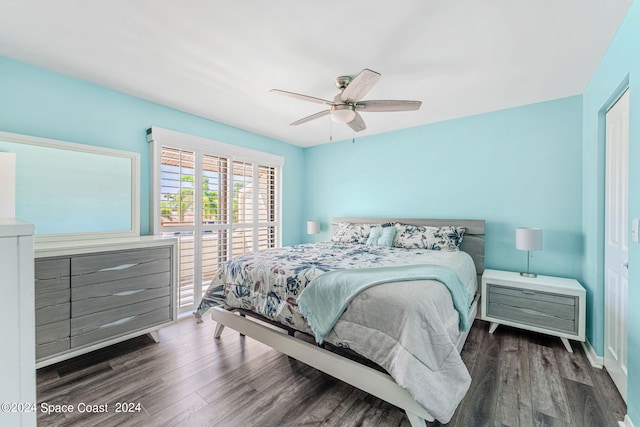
x,y
546,304
17,369
91,294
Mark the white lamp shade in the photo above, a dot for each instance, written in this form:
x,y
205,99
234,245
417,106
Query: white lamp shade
x,y
7,185
529,239
313,227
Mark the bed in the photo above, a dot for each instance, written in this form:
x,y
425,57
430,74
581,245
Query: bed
x,y
414,354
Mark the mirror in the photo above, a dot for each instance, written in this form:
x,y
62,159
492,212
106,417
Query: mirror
x,y
74,191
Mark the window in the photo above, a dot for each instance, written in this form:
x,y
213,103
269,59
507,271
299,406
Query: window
x,y
219,200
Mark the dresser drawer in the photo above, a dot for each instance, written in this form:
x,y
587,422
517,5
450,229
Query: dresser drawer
x,y
52,274
119,320
52,332
53,313
51,348
44,299
110,266
104,296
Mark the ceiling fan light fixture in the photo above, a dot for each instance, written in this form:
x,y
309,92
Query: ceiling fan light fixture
x,y
342,113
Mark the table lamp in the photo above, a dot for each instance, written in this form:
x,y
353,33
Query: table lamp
x,y
313,227
528,239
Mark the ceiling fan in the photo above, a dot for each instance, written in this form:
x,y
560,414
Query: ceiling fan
x,y
346,105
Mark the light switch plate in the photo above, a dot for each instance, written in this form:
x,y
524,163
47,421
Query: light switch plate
x,y
634,230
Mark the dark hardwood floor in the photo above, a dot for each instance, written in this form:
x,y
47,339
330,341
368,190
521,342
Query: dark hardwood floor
x,y
190,379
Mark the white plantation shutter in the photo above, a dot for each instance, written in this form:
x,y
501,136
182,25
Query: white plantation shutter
x,y
177,199
215,215
220,201
242,184
267,207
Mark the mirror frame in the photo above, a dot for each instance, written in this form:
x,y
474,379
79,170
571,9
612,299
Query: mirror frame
x,y
134,157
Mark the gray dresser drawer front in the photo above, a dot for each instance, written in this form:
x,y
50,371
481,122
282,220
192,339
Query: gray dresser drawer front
x,y
52,274
51,348
52,332
85,330
110,266
53,313
109,323
44,299
95,298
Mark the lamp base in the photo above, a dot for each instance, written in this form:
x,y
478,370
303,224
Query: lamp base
x,y
529,275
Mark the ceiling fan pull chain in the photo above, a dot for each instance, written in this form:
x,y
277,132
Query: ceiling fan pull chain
x,y
330,129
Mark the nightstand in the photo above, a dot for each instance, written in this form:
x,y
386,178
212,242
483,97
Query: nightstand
x,y
550,305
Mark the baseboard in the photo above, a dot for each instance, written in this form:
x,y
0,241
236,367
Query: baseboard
x,y
626,423
595,360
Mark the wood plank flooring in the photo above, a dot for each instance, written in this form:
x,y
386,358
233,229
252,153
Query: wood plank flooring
x,y
190,379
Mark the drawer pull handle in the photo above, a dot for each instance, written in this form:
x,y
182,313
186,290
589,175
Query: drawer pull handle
x,y
126,293
529,292
530,311
118,322
119,267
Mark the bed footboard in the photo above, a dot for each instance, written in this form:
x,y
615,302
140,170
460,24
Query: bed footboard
x,y
363,377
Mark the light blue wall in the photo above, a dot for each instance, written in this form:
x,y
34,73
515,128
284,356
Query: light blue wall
x,y
516,167
37,102
619,67
537,165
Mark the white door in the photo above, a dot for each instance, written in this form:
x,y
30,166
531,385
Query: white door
x,y
616,253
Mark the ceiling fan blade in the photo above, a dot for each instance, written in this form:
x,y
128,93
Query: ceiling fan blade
x,y
311,117
360,86
302,97
387,105
357,124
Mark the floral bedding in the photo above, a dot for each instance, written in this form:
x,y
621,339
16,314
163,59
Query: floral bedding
x,y
269,282
409,328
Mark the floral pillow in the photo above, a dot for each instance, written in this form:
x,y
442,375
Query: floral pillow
x,y
348,232
426,237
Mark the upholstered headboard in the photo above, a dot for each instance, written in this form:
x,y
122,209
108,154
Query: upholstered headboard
x,y
472,243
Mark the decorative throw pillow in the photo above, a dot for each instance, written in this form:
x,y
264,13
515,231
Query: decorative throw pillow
x,y
452,236
428,237
348,232
381,236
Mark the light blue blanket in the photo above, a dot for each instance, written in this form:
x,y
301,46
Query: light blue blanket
x,y
327,296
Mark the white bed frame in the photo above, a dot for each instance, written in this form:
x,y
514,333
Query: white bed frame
x,y
363,377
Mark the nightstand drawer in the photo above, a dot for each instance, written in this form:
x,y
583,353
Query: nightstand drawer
x,y
532,317
532,294
545,303
532,307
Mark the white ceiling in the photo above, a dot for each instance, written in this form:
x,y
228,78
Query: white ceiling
x,y
218,59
